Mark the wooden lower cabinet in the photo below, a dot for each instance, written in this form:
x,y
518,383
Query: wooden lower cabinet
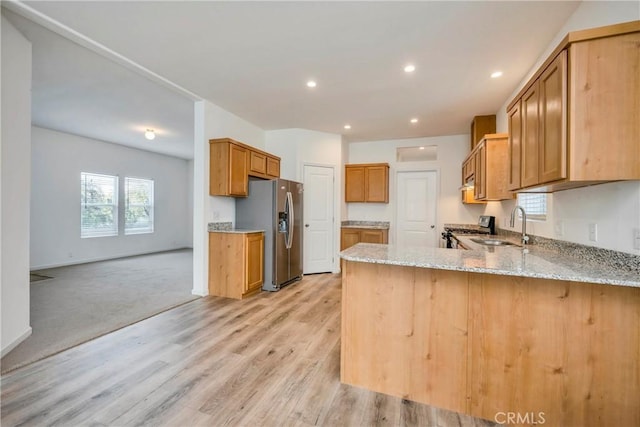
x,y
349,236
555,352
236,264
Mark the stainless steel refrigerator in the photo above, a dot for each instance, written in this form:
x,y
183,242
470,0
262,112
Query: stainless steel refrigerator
x,y
276,207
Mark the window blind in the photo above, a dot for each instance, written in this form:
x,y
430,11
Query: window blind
x,y
99,205
535,205
139,205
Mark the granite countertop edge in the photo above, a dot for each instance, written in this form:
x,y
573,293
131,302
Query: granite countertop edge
x,y
237,231
512,259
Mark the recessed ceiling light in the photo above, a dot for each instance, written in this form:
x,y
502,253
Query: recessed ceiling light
x,y
422,148
347,126
409,68
496,74
414,120
311,83
150,134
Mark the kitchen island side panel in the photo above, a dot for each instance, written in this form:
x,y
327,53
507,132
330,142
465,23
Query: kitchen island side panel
x,y
485,344
404,332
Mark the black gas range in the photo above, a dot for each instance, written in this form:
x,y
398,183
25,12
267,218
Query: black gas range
x,y
486,225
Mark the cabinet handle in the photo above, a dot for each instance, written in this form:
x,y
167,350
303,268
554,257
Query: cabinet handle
x,y
433,226
306,225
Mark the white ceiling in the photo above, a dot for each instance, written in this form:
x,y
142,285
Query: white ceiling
x,y
253,59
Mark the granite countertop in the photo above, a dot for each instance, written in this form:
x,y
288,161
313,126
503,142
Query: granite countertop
x,y
227,227
237,231
531,261
378,225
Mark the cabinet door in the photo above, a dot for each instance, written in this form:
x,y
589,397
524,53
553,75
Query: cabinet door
x,y
254,261
371,236
377,184
514,117
238,183
552,154
257,163
480,185
273,167
349,237
530,131
354,184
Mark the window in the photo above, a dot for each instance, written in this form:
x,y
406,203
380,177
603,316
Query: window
x,y
138,212
534,204
99,206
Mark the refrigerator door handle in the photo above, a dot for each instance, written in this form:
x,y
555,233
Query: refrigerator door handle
x,y
289,210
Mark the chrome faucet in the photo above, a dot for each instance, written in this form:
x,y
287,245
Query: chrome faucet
x,y
525,238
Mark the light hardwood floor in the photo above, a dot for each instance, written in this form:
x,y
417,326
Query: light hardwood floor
x,y
270,360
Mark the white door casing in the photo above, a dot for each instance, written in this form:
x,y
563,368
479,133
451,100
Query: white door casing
x,y
416,209
318,219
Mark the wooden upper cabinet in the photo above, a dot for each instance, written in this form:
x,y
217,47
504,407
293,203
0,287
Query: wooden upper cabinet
x,y
481,126
354,183
367,183
490,163
273,167
480,160
552,144
580,112
530,136
377,183
491,168
514,118
228,169
257,163
232,162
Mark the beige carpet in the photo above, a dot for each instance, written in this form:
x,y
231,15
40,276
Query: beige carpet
x,y
85,301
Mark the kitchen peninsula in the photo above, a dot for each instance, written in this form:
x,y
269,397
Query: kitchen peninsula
x,y
534,331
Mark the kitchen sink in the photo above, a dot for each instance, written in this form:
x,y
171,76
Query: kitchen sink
x,y
492,242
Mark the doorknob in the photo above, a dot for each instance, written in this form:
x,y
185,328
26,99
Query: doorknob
x,y
433,226
306,225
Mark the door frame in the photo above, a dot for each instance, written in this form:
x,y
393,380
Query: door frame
x,y
336,210
400,169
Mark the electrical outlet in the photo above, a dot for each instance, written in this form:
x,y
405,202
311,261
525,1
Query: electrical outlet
x,y
559,228
506,222
636,238
593,232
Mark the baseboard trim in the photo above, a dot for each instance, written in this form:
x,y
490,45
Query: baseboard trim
x,y
16,342
106,258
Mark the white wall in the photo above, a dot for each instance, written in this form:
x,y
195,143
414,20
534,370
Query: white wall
x,y
297,147
15,155
58,159
452,150
614,207
212,122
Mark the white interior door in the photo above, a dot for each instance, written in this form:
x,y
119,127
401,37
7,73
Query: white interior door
x,y
416,209
318,219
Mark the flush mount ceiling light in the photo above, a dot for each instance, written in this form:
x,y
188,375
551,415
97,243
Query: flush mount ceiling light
x,y
347,127
311,83
496,74
150,134
414,120
409,68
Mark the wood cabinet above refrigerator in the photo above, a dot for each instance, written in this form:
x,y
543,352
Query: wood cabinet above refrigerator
x,y
232,162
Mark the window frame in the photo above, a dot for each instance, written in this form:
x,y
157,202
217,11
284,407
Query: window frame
x,y
532,207
86,232
151,205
